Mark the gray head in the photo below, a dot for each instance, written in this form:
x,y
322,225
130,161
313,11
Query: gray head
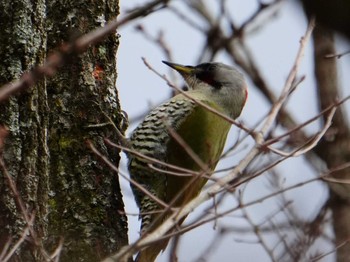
x,y
223,84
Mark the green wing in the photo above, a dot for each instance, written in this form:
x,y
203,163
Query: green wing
x,y
205,133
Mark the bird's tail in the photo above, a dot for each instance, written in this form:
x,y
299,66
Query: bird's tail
x,y
150,253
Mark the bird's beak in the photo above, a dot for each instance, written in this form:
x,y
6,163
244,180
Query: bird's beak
x,y
182,69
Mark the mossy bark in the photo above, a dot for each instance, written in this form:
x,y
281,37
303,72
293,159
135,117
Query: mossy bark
x,y
73,195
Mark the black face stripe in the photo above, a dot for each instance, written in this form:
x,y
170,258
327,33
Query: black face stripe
x,y
217,85
208,78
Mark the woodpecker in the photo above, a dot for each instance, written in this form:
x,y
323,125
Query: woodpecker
x,y
182,119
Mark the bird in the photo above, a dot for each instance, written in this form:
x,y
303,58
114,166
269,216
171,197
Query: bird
x,y
182,132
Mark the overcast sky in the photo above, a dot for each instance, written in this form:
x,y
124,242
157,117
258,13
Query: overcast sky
x,y
274,47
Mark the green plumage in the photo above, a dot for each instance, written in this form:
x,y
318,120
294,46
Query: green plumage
x,y
205,133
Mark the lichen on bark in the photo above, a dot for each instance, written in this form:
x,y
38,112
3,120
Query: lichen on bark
x,y
73,195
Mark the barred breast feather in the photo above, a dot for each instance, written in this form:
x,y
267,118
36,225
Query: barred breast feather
x,y
151,138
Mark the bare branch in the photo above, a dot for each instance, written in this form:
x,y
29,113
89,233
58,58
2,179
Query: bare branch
x,y
67,51
311,144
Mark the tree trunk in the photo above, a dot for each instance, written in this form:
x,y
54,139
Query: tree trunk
x,y
334,148
74,197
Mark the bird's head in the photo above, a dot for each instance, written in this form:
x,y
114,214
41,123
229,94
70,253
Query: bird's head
x,y
218,82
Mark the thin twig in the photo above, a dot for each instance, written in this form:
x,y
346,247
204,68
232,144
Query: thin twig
x,y
338,56
114,168
17,244
298,127
289,83
28,218
152,160
318,258
257,232
313,142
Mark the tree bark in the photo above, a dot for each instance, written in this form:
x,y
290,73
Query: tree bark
x,y
74,197
334,148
